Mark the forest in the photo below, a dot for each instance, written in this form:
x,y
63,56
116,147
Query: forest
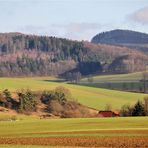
x,y
31,55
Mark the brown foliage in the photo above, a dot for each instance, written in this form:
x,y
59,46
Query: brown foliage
x,y
68,109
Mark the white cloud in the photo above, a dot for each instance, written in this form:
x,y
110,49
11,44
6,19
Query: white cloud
x,y
80,31
140,16
75,31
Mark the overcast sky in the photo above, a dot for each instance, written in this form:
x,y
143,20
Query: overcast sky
x,y
73,19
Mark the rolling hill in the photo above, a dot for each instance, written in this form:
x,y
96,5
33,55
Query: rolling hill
x,y
131,77
128,38
130,82
92,97
31,55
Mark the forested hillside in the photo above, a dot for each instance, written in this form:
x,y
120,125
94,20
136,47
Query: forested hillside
x,y
116,59
128,38
30,55
40,55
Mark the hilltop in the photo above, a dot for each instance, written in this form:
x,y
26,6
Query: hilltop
x,y
128,38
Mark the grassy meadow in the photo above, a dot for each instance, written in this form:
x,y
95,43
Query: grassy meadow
x,y
55,127
127,82
93,97
117,77
30,131
124,86
18,132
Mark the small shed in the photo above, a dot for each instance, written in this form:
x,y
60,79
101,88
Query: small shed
x,y
108,114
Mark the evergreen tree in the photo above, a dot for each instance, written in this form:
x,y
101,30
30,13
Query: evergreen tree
x,y
138,109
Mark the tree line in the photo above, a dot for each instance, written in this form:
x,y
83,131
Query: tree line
x,y
139,109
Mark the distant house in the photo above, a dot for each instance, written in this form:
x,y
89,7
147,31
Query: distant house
x,y
108,114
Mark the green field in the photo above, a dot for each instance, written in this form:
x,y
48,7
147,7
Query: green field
x,y
84,127
117,77
41,127
127,82
125,86
89,96
31,132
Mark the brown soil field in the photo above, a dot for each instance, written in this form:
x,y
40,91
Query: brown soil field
x,y
113,142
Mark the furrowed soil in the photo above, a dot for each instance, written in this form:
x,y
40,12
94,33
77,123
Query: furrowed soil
x,y
107,138
120,142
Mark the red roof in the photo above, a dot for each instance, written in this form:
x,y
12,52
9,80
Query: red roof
x,y
107,114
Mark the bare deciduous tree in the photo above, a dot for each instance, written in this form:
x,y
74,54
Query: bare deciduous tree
x,y
144,81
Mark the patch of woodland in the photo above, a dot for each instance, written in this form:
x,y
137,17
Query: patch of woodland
x,y
58,102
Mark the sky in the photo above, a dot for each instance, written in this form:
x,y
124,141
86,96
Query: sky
x,y
72,19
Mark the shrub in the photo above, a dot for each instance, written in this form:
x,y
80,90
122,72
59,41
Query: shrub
x,y
7,94
60,94
75,110
27,101
69,109
47,96
59,103
7,101
55,108
126,110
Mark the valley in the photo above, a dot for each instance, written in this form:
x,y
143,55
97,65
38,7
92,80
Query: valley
x,y
96,98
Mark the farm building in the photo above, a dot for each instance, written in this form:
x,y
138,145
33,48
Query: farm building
x,y
108,114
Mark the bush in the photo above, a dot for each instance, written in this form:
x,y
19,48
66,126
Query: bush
x,y
69,109
47,96
60,94
59,103
27,101
55,108
7,94
126,110
7,101
75,110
